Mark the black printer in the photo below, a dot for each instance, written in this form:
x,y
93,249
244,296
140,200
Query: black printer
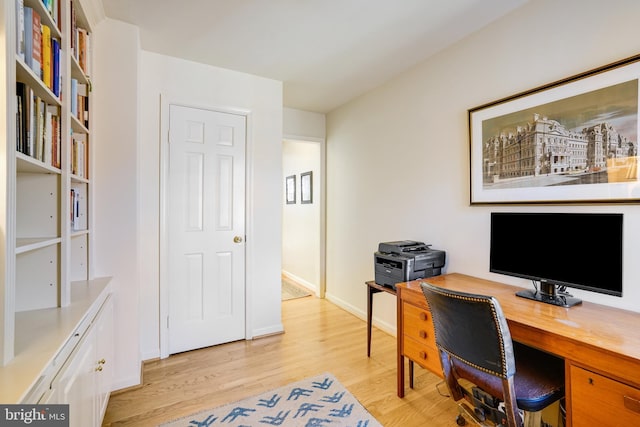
x,y
406,260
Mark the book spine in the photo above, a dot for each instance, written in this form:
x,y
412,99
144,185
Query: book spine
x,y
36,57
48,137
32,124
55,65
74,97
82,104
22,120
46,56
73,31
40,117
28,35
20,28
82,55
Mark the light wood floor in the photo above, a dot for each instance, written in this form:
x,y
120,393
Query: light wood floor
x,y
319,337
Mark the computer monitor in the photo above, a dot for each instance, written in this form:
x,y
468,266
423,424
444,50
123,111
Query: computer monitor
x,y
559,250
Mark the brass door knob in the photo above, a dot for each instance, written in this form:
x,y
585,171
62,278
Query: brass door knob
x,y
237,239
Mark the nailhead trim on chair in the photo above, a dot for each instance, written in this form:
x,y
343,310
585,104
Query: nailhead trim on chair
x,y
502,374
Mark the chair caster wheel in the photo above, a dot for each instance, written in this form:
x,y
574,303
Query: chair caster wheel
x,y
460,420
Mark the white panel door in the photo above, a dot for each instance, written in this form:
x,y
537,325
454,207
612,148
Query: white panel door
x,y
206,206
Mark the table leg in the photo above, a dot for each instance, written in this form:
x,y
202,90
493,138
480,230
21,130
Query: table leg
x,y
410,373
400,376
369,318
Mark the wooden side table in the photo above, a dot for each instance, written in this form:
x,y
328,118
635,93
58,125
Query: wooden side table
x,y
373,288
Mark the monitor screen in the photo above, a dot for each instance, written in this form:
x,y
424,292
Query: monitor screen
x,y
577,250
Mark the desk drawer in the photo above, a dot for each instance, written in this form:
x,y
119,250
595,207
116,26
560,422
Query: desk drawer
x,y
598,401
423,355
418,324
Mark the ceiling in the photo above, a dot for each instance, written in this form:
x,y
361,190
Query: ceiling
x,y
326,52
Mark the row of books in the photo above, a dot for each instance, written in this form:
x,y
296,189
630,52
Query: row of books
x,y
80,102
37,48
38,127
79,155
53,7
80,43
78,208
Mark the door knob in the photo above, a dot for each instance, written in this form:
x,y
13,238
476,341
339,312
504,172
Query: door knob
x,y
237,239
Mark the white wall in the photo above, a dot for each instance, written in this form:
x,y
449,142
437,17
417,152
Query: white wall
x,y
398,157
301,222
303,125
199,85
131,82
115,178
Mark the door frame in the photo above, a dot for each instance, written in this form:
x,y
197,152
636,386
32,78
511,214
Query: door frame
x,y
322,286
163,318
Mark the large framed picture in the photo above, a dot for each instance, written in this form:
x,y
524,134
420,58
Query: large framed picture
x,y
572,141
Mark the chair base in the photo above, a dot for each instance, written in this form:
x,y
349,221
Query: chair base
x,y
477,413
468,414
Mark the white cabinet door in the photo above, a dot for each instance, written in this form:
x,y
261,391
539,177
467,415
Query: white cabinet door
x,y
84,381
76,383
104,357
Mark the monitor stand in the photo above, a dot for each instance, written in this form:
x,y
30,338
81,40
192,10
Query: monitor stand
x,y
548,295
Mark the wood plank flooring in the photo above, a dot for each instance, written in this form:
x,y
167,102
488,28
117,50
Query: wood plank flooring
x,y
319,337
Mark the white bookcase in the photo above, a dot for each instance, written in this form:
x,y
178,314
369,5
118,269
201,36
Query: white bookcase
x,y
45,191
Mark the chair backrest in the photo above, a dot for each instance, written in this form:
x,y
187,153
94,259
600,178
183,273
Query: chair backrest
x,y
471,328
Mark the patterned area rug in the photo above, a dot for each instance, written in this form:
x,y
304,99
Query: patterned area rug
x,y
291,291
313,402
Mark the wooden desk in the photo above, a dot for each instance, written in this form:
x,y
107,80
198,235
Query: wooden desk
x,y
600,346
373,288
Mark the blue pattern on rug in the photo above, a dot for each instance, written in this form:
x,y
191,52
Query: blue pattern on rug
x,y
315,402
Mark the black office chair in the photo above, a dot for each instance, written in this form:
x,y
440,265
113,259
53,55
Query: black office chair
x,y
475,344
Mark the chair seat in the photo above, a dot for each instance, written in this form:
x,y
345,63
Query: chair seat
x,y
538,382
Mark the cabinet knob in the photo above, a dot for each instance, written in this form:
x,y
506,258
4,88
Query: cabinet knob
x,y
423,316
423,334
102,361
237,239
423,355
99,368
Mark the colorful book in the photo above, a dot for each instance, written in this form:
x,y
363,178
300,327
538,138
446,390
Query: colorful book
x,y
36,48
56,126
82,49
46,56
55,66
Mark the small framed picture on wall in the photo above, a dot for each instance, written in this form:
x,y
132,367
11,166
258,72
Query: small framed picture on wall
x,y
306,187
290,189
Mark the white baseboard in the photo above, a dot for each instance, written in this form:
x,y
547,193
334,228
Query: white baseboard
x,y
310,286
270,330
385,326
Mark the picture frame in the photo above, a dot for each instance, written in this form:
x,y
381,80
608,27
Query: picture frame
x,y
571,141
290,189
306,187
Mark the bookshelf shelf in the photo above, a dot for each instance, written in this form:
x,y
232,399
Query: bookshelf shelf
x,y
78,127
26,163
26,75
25,245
